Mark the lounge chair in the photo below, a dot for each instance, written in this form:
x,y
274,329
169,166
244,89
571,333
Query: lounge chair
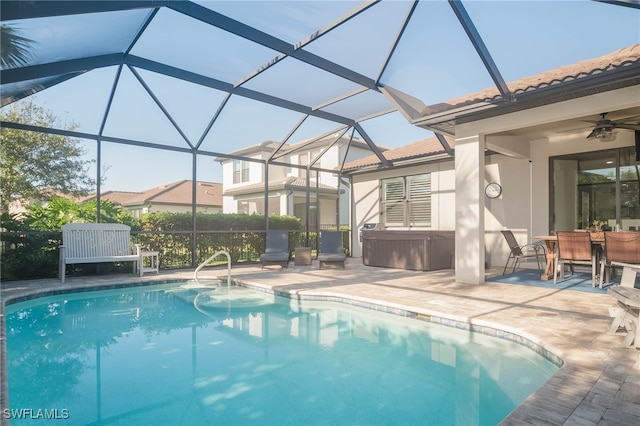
x,y
331,252
277,249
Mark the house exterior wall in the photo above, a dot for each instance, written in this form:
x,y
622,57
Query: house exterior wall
x,y
275,173
512,210
327,212
229,205
524,205
499,213
138,211
521,167
366,190
330,160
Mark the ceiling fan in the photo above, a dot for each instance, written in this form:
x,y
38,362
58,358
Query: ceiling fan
x,y
603,131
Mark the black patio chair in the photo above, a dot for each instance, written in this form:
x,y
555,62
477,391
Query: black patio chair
x,y
331,252
277,249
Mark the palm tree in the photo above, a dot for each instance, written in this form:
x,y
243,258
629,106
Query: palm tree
x,y
14,48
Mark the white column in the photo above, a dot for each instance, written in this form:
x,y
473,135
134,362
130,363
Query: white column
x,y
469,164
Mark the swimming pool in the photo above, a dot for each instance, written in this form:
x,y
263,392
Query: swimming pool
x,y
183,354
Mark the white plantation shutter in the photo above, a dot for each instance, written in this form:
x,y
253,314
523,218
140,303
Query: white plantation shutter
x,y
393,201
406,201
419,199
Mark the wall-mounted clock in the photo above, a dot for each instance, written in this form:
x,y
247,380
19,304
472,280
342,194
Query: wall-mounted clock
x,y
493,190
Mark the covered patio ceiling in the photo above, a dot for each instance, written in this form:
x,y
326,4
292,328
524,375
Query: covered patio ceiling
x,y
215,77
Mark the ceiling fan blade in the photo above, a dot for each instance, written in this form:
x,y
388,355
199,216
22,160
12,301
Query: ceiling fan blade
x,y
592,134
627,126
626,120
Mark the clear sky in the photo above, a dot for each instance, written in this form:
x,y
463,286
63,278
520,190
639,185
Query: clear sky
x,y
434,61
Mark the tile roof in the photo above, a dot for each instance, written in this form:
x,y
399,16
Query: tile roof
x,y
421,149
118,197
177,193
626,57
207,194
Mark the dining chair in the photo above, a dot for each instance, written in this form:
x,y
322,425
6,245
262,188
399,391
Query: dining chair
x,y
575,248
522,251
623,247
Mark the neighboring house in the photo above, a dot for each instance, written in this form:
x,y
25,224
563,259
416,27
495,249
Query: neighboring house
x,y
18,207
174,197
244,182
539,145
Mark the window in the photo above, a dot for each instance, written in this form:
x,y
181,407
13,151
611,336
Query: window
x,y
240,171
600,187
406,201
256,206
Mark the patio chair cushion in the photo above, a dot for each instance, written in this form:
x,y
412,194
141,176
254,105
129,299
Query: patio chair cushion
x,y
277,249
331,251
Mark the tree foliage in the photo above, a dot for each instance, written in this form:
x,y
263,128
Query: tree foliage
x,y
59,210
31,240
35,165
15,49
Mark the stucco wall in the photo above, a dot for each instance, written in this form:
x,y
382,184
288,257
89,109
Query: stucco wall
x,y
367,195
523,205
537,134
511,210
175,209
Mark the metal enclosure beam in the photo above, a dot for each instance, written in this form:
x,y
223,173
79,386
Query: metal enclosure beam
x,y
480,47
239,29
11,10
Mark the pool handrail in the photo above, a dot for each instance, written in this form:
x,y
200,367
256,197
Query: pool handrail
x,y
216,254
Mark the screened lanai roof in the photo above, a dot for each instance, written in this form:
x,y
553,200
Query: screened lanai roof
x,y
216,77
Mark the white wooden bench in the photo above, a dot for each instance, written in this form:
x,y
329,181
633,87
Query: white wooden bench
x,y
629,273
98,243
626,314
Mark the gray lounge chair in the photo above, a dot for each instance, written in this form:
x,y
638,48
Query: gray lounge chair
x,y
331,252
277,249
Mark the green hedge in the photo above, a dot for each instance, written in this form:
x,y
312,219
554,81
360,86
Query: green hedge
x,y
240,235
30,254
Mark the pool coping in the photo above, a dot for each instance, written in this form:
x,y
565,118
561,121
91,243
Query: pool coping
x,y
585,399
492,330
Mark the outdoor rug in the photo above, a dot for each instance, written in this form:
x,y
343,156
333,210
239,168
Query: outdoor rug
x,y
531,277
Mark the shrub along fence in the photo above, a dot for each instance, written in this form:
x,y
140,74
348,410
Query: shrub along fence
x,y
34,254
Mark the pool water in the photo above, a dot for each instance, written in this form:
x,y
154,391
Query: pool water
x,y
181,354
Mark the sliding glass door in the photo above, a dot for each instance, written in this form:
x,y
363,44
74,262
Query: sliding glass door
x,y
595,189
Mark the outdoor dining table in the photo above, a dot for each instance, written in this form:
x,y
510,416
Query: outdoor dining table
x,y
551,241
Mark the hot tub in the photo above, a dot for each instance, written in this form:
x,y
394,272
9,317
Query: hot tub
x,y
414,250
